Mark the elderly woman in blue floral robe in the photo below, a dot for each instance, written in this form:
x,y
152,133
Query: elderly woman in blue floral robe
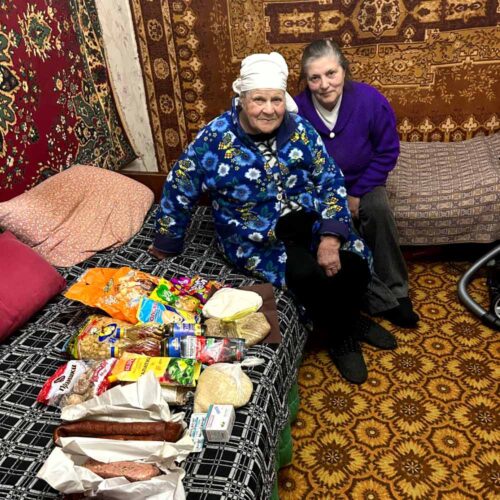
x,y
280,208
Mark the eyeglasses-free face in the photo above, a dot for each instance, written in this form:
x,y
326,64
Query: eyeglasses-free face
x,y
325,78
262,110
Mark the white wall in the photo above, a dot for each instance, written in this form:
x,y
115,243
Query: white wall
x,y
126,77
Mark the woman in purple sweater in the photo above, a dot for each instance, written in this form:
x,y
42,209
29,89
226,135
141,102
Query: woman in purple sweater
x,y
358,127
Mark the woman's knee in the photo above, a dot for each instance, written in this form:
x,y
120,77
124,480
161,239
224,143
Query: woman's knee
x,y
301,268
374,206
356,269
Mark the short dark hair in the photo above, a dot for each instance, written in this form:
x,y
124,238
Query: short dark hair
x,y
323,48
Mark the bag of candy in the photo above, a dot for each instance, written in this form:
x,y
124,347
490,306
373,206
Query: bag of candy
x,y
168,294
198,287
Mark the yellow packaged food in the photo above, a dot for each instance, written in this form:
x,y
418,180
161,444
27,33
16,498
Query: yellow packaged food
x,y
168,371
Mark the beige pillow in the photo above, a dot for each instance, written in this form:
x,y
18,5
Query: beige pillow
x,y
77,212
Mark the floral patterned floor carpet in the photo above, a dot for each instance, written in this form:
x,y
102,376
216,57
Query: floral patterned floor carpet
x,y
425,425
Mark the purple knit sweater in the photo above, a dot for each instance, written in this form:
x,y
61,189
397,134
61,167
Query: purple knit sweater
x,y
364,142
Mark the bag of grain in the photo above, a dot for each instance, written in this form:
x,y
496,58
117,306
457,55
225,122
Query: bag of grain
x,y
222,383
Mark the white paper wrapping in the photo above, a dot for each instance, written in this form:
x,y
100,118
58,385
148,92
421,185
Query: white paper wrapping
x,y
62,471
137,402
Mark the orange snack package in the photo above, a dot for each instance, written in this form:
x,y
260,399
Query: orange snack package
x,y
116,291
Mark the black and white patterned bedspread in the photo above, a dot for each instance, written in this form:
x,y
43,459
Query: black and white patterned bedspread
x,y
242,468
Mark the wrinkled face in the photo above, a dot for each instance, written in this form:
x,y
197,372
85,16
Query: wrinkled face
x,y
262,110
325,79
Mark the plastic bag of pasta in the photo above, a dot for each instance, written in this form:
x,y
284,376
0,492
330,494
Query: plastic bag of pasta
x,y
116,291
253,328
102,337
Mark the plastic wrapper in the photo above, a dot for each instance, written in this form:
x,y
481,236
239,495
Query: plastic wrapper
x,y
116,291
229,304
223,384
167,293
198,287
76,382
206,350
253,328
152,311
101,337
168,371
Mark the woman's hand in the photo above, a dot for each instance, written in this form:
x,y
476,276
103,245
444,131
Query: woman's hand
x,y
328,255
353,203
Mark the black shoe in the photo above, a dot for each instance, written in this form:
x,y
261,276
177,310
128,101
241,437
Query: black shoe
x,y
348,358
402,315
366,330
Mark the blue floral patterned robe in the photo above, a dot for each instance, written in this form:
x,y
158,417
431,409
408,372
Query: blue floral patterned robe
x,y
224,162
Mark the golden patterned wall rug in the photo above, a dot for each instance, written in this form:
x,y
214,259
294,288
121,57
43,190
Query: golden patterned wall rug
x,y
425,425
437,61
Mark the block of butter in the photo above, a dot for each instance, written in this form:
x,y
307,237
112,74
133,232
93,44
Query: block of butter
x,y
219,423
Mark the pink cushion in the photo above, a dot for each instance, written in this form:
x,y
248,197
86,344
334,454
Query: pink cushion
x,y
77,212
27,283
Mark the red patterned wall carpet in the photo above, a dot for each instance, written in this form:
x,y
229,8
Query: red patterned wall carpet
x,y
425,425
56,100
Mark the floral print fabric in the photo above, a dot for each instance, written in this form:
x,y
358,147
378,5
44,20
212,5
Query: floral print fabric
x,y
224,162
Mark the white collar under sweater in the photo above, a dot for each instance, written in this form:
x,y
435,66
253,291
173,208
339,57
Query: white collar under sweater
x,y
329,118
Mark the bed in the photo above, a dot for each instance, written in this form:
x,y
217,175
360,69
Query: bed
x,y
245,467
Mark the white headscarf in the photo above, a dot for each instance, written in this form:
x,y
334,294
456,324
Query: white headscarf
x,y
264,71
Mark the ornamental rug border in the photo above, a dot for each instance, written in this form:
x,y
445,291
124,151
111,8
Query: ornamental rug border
x,y
437,61
56,101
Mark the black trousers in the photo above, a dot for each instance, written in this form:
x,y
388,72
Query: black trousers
x,y
333,303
